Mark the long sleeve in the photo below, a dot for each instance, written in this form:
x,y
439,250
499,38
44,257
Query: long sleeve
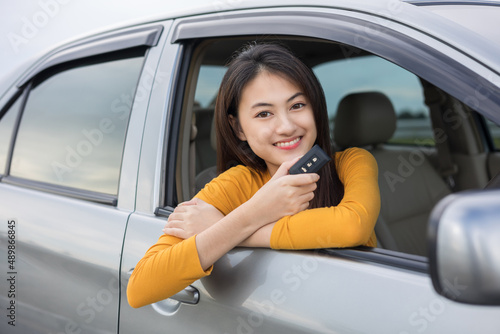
x,y
233,188
348,224
167,267
172,263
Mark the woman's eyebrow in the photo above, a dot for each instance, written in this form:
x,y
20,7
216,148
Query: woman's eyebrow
x,y
261,104
265,104
294,96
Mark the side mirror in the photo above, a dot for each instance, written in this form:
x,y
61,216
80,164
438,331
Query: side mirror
x,y
464,247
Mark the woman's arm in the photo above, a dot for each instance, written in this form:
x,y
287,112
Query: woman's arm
x,y
167,267
348,224
260,238
201,215
173,263
183,256
283,195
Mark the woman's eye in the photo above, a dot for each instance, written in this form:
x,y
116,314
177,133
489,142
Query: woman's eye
x,y
298,105
263,114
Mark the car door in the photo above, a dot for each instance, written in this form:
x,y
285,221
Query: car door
x,y
69,165
266,291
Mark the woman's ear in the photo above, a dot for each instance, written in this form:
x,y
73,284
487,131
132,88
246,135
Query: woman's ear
x,y
237,128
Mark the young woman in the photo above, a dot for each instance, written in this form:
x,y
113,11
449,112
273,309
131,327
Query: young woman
x,y
270,111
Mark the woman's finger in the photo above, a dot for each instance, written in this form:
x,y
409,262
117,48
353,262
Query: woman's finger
x,y
174,224
306,198
176,216
180,208
176,232
302,179
310,188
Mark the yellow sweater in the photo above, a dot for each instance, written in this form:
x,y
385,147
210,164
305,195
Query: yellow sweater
x,y
172,263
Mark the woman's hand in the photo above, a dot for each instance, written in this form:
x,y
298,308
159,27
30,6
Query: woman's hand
x,y
190,218
283,195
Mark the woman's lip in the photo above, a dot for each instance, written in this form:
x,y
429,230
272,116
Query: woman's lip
x,y
288,145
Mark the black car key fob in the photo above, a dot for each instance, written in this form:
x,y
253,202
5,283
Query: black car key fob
x,y
311,162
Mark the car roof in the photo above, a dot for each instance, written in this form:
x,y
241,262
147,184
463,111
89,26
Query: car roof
x,y
452,2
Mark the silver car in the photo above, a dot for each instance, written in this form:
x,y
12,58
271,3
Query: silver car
x,y
102,137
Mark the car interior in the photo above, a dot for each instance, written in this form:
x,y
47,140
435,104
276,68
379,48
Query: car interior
x,y
454,152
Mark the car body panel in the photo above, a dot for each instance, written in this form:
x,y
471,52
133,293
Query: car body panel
x,y
278,299
74,257
68,259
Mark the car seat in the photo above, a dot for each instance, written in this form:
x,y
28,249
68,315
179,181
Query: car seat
x,y
409,185
207,173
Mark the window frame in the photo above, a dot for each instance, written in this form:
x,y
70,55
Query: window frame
x,y
95,47
375,256
169,194
21,96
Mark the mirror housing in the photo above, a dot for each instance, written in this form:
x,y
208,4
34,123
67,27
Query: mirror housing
x,y
464,247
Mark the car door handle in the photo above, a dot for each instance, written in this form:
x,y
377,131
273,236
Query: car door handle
x,y
189,295
170,306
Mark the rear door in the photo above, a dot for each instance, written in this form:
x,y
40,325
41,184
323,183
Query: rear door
x,y
69,160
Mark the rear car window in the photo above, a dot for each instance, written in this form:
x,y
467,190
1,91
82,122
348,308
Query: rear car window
x,y
72,130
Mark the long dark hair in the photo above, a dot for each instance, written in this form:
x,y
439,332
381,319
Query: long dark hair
x,y
276,59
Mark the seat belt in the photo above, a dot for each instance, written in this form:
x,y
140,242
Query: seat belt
x,y
435,99
494,183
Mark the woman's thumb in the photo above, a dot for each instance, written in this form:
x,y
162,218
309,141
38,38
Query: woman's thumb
x,y
285,166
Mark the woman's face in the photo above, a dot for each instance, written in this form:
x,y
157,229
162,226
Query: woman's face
x,y
276,119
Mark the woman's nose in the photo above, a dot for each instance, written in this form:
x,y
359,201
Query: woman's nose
x,y
285,125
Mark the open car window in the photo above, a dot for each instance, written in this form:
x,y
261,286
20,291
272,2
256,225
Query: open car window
x,y
411,176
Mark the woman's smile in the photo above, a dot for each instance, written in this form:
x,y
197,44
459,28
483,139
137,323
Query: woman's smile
x,y
288,144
